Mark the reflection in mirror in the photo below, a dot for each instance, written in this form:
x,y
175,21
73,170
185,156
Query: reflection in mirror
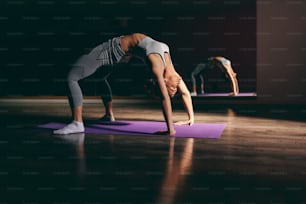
x,y
221,63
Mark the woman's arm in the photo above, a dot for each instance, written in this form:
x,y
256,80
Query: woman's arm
x,y
158,70
229,71
187,101
233,80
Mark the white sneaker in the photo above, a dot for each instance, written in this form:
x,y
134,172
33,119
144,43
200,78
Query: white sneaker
x,y
74,127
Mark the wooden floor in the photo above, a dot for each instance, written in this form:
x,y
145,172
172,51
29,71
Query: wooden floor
x,y
260,158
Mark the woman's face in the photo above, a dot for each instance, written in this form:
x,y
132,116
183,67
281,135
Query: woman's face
x,y
172,84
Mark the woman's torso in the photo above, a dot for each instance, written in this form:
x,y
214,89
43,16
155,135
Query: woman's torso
x,y
128,42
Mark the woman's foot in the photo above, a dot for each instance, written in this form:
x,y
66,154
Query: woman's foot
x,y
74,127
193,93
107,118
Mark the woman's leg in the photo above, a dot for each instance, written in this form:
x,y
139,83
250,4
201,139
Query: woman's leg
x,y
106,97
104,90
196,72
202,83
84,67
193,81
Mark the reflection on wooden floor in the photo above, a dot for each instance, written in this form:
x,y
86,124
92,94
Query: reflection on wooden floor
x,y
260,157
176,170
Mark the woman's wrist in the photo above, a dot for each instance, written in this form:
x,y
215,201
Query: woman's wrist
x,y
172,131
191,121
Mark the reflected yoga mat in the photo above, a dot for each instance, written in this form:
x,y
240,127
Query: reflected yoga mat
x,y
226,94
147,128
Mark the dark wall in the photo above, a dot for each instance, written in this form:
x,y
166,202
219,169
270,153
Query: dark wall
x,y
40,39
281,51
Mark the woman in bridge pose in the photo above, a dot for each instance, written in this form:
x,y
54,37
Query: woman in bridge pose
x,y
114,51
214,62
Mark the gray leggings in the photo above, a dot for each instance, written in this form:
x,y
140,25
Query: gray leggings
x,y
85,66
107,53
197,72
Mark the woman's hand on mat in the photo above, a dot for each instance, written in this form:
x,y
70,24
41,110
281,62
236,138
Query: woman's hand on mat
x,y
186,122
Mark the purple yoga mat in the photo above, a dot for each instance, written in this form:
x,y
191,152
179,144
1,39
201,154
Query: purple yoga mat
x,y
147,128
225,94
